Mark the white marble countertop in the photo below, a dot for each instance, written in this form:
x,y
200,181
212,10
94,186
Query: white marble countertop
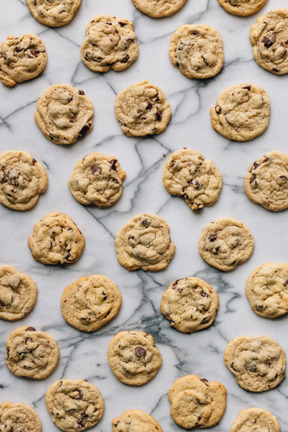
x,y
84,355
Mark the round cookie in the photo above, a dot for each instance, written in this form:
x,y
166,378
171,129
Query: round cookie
x,y
22,180
133,357
190,304
241,112
268,36
110,43
242,7
31,353
266,182
18,417
186,173
64,114
21,59
195,402
18,294
74,405
56,240
97,179
144,243
55,13
135,420
255,420
159,8
225,243
90,303
258,363
197,50
142,109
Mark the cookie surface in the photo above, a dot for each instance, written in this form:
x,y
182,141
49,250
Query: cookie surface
x,y
160,8
241,113
64,114
56,240
55,13
22,180
142,109
110,43
258,363
74,405
135,420
197,50
242,7
144,243
97,179
186,173
133,357
89,303
196,402
21,59
255,420
266,182
31,353
225,243
19,417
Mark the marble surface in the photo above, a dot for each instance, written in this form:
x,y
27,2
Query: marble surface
x,y
84,355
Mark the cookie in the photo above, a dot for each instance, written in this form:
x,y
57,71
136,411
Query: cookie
x,y
266,182
242,7
55,13
21,59
64,114
31,353
22,180
135,420
18,294
190,304
160,8
110,43
225,243
18,417
195,402
90,303
197,50
133,357
255,420
241,112
56,240
74,405
258,363
187,174
97,179
144,243
268,36
142,109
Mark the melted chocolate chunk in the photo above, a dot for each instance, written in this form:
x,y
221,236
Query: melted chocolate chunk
x,y
140,352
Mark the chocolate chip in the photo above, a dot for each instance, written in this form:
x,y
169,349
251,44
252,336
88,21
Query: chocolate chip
x,y
158,115
96,169
267,42
212,238
113,163
81,92
35,53
149,105
218,109
203,294
125,59
121,23
285,283
34,161
248,87
84,130
80,394
145,223
204,381
18,49
30,329
140,352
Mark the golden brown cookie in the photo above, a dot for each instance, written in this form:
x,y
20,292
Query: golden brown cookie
x,y
135,421
242,7
255,420
16,417
159,8
55,13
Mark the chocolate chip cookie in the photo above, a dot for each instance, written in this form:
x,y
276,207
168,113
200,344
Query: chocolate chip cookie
x,y
55,13
135,420
15,417
242,7
160,8
255,420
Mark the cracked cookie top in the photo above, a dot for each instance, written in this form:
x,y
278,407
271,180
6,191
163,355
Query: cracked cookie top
x,y
255,420
18,417
135,420
53,13
242,7
159,8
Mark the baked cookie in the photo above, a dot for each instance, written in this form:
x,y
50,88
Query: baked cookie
x,y
159,8
110,43
74,405
133,357
225,243
142,109
18,417
31,353
255,420
18,294
89,303
195,402
135,420
268,36
241,112
258,363
53,13
197,50
242,7
186,173
266,182
21,59
97,179
22,180
56,240
64,114
190,304
144,243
